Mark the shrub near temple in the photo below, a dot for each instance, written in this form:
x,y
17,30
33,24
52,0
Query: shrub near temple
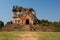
x,y
9,22
1,24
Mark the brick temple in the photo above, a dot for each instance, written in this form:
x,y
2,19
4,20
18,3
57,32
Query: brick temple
x,y
24,16
25,19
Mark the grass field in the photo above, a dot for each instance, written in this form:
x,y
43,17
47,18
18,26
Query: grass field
x,y
25,35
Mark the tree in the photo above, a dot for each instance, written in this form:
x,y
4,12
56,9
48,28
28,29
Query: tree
x,y
9,22
38,21
44,21
1,24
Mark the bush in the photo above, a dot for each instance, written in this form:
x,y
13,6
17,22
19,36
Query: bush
x,y
10,22
1,24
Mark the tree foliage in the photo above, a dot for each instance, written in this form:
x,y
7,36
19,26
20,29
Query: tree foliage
x,y
54,24
1,24
9,22
43,22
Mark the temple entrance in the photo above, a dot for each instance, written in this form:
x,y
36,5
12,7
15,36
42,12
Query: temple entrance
x,y
27,21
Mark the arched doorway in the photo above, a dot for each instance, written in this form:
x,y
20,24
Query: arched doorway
x,y
27,21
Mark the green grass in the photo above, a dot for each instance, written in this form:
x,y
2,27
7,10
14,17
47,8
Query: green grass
x,y
15,35
49,36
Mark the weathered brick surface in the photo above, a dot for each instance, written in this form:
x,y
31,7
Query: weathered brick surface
x,y
12,27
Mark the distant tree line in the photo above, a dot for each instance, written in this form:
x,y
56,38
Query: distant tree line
x,y
54,24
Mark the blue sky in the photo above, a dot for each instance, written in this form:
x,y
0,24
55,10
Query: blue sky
x,y
45,9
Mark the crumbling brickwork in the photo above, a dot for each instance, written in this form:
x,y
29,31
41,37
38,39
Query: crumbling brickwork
x,y
24,16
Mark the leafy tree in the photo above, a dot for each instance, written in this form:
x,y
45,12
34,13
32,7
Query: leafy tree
x,y
43,22
1,24
10,22
38,21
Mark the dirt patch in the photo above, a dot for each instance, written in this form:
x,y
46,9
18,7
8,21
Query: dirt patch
x,y
28,36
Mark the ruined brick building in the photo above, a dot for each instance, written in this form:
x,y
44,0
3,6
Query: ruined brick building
x,y
24,16
25,19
